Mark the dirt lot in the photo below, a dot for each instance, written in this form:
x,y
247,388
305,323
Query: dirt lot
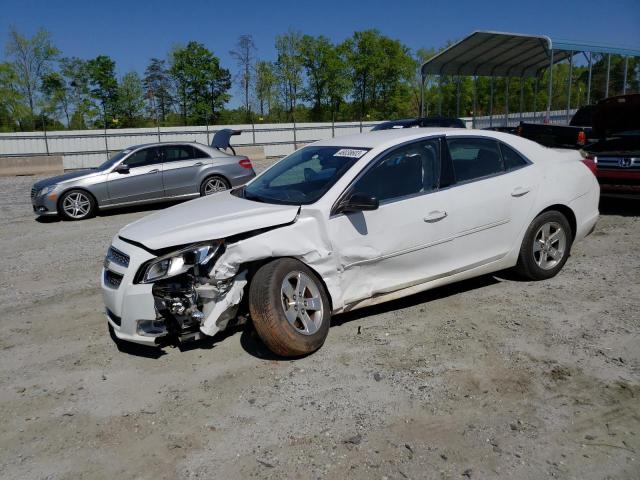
x,y
489,378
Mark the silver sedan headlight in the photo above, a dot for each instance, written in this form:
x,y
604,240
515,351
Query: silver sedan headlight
x,y
179,262
46,190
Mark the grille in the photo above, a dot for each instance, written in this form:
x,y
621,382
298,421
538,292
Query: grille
x,y
619,163
112,279
34,191
113,317
116,256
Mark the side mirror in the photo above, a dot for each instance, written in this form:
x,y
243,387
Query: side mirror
x,y
122,168
359,202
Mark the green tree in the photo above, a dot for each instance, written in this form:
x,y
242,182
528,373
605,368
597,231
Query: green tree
x,y
157,87
76,76
265,85
289,68
56,95
201,84
13,108
244,54
32,58
103,86
131,100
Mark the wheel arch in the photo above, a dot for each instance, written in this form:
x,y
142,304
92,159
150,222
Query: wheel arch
x,y
253,266
207,175
82,189
567,212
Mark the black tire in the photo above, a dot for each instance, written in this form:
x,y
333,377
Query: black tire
x,y
267,307
218,178
530,264
84,211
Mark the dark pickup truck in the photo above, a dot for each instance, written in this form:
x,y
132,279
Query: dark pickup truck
x,y
614,153
575,135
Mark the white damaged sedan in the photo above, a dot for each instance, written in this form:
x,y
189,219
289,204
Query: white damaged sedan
x,y
342,224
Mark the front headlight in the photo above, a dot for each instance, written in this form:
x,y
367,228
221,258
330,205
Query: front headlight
x,y
46,190
179,262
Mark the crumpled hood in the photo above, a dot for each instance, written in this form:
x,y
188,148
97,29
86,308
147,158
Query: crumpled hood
x,y
65,177
208,218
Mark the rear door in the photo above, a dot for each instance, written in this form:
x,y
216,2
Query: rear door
x,y
142,182
181,169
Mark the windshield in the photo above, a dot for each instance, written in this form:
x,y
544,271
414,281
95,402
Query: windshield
x,y
114,159
304,176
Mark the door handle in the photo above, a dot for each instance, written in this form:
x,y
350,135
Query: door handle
x,y
198,164
519,191
155,170
435,216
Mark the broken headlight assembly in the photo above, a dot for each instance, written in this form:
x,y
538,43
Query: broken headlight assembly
x,y
179,262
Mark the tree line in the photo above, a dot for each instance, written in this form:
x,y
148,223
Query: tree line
x,y
368,76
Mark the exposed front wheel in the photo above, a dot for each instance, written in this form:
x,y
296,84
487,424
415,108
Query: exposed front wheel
x,y
289,307
546,246
77,205
214,184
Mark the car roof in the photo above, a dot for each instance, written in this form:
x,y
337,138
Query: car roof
x,y
160,144
383,139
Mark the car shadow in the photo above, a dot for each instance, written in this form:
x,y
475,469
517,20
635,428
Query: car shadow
x,y
625,207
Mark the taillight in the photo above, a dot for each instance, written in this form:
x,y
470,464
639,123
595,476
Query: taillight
x,y
591,162
582,138
245,163
519,130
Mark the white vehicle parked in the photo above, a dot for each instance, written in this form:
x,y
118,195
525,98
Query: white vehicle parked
x,y
345,223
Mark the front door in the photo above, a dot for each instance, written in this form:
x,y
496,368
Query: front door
x,y
142,182
407,239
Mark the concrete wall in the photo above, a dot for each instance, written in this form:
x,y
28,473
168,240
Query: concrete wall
x,y
40,165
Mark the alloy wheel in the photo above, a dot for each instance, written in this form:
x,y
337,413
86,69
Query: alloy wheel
x,y
549,245
302,303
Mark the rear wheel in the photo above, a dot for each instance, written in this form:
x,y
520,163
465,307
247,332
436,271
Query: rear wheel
x,y
77,205
213,185
289,307
546,246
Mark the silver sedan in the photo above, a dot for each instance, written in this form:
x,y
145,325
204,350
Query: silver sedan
x,y
141,174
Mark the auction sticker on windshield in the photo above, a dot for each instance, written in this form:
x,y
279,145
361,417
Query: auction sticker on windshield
x,y
349,152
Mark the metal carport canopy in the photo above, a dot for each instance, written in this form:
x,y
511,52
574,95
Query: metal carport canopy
x,y
495,54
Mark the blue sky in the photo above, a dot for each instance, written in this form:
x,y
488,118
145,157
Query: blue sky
x,y
133,31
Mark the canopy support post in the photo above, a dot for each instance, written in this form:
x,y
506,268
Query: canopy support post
x,y
589,78
475,101
458,97
624,80
569,89
440,95
606,86
506,101
535,97
422,79
550,88
491,103
521,97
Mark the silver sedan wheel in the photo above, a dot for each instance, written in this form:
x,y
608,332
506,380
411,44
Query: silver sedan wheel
x,y
302,303
76,205
214,185
549,245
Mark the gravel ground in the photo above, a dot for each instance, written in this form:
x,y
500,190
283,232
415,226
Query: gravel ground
x,y
489,378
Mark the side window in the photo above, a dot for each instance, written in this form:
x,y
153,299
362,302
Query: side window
x,y
511,158
197,153
146,156
408,170
474,158
175,153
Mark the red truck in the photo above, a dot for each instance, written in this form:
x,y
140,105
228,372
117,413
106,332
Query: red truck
x,y
614,156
